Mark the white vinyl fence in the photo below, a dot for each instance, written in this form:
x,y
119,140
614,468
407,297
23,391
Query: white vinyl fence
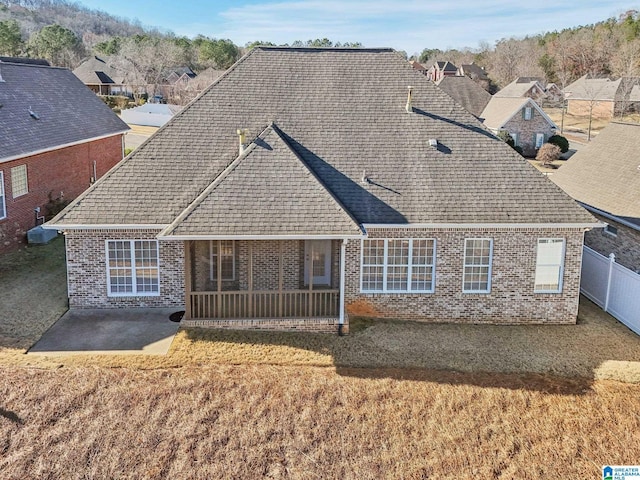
x,y
612,287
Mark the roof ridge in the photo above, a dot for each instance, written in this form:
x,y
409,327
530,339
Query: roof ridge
x,y
329,49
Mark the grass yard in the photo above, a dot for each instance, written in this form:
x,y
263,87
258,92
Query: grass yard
x,y
580,124
391,400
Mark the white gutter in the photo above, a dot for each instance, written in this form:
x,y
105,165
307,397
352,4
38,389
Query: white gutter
x,y
511,226
259,237
58,147
610,217
112,226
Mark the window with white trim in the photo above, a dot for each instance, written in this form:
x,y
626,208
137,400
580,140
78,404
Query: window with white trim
x,y
611,230
133,268
549,265
539,139
19,184
476,276
225,251
3,203
528,113
514,135
398,265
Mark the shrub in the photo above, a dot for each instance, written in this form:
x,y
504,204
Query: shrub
x,y
518,149
127,151
548,153
506,138
560,141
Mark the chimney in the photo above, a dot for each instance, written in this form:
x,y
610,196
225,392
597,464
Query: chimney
x,y
409,106
242,140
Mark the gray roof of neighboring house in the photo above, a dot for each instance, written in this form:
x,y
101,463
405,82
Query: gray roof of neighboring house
x,y
605,174
267,190
66,110
474,70
99,71
519,87
466,92
342,111
500,110
25,61
593,89
446,66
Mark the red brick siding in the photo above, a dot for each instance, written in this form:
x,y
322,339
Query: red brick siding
x,y
527,129
67,170
512,299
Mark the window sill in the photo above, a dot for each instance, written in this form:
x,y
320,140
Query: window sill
x,y
132,295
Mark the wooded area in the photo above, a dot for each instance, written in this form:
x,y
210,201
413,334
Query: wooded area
x,y
64,33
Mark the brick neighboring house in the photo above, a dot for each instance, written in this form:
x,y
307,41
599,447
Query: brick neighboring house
x,y
603,97
342,194
103,77
474,72
56,138
531,87
523,118
604,177
441,69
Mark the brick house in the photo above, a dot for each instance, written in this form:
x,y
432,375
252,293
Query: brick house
x,y
344,193
523,118
56,139
441,69
604,177
603,97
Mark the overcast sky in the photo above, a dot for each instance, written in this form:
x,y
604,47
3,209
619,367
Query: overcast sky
x,y
408,25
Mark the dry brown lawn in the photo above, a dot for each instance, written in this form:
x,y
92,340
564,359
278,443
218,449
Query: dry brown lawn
x,y
306,422
577,123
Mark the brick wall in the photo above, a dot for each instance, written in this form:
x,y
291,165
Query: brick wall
x,y
625,245
512,299
87,270
65,172
527,129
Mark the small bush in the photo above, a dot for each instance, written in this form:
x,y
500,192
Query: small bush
x,y
548,153
518,149
506,138
560,141
127,151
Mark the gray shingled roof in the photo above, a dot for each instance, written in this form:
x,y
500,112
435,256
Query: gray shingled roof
x,y
466,92
519,87
99,71
268,190
593,89
343,112
500,110
66,110
606,173
472,70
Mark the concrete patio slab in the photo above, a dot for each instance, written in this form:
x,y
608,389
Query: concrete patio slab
x,y
146,331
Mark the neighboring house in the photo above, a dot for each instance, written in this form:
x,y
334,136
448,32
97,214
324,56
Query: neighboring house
x,y
204,79
56,138
25,61
102,77
521,87
523,118
150,114
342,194
603,97
441,69
474,72
604,177
418,66
466,92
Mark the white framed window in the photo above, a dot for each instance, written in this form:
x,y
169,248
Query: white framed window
x,y
514,135
478,256
549,265
133,268
528,113
611,230
539,139
3,203
405,265
225,250
19,183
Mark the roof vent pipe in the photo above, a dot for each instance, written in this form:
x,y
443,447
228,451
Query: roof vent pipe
x,y
409,106
242,140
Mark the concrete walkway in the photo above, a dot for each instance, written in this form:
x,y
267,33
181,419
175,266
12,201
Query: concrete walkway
x,y
109,331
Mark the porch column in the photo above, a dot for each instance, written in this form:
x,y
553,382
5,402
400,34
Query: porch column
x,y
343,255
280,278
187,279
310,302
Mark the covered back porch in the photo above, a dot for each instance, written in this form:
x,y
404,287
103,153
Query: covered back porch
x,y
265,283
